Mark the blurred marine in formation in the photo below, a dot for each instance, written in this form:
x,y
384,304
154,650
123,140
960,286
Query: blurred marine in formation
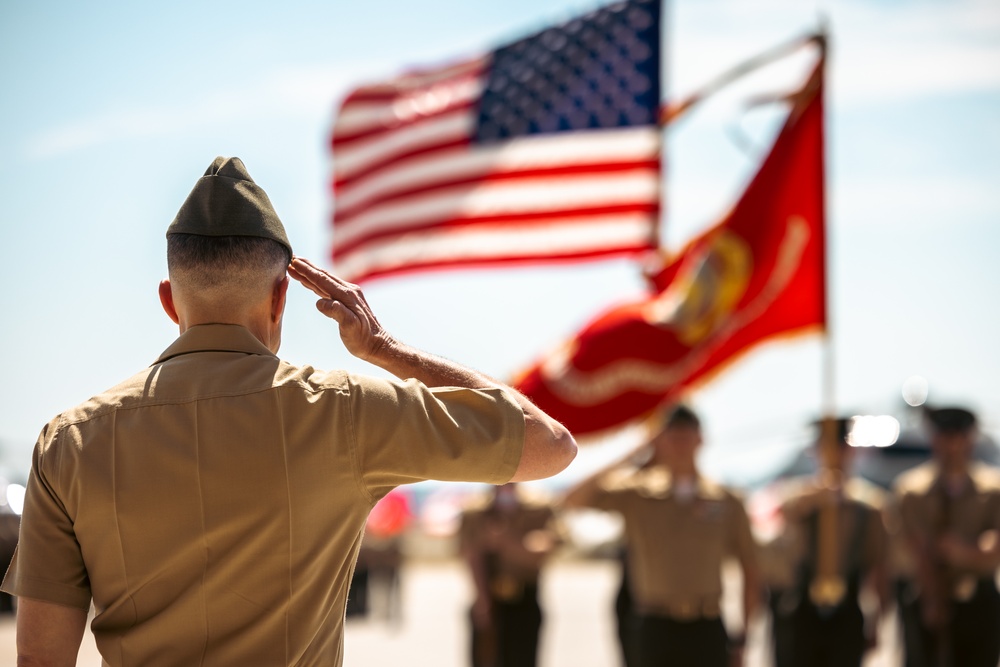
x,y
506,542
833,550
680,529
212,505
947,513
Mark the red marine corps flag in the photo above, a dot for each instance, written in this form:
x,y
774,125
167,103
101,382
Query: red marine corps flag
x,y
758,273
545,149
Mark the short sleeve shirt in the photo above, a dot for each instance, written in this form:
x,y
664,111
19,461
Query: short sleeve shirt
x,y
924,509
861,534
519,523
676,547
212,506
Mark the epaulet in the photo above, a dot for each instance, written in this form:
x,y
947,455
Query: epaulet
x,y
534,498
986,477
799,496
476,503
916,480
709,488
865,492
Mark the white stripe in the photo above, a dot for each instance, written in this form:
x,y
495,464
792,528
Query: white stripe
x,y
532,152
370,115
360,155
505,197
484,243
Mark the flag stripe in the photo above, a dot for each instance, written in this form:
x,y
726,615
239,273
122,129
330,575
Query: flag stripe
x,y
574,238
414,80
503,198
425,135
393,126
532,155
345,213
373,120
497,224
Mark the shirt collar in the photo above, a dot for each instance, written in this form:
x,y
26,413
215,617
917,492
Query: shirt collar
x,y
969,486
215,338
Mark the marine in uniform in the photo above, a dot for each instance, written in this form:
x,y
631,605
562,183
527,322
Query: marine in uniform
x,y
834,545
680,529
947,512
506,542
211,507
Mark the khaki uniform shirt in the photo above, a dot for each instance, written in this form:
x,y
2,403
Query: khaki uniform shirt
x,y
212,505
531,524
861,547
676,547
924,511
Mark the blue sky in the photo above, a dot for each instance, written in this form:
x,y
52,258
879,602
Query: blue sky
x,y
112,110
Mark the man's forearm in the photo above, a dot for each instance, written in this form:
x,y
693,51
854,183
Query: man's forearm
x,y
751,593
406,362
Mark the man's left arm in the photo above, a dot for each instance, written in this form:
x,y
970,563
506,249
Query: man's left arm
x,y
48,635
982,556
746,553
876,577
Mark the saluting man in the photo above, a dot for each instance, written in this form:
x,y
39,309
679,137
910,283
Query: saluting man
x,y
680,529
212,505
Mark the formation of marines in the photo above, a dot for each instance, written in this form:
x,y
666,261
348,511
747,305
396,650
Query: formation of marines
x,y
847,554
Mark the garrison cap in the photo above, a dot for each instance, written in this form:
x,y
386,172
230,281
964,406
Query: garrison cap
x,y
950,419
226,202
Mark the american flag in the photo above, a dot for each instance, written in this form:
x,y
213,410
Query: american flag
x,y
545,149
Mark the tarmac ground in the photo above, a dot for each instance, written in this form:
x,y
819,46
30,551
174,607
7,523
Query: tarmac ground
x,y
431,629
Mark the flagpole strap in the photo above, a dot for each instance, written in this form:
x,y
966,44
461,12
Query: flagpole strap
x,y
670,112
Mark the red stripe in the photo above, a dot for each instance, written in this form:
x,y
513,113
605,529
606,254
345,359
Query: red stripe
x,y
345,216
396,158
406,82
510,219
370,95
340,140
460,263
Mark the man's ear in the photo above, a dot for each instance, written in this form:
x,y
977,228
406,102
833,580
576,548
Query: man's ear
x,y
278,295
167,300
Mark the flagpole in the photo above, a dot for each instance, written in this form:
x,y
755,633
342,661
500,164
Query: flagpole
x,y
829,394
829,586
828,391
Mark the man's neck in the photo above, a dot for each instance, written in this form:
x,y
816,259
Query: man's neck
x,y
261,331
683,470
